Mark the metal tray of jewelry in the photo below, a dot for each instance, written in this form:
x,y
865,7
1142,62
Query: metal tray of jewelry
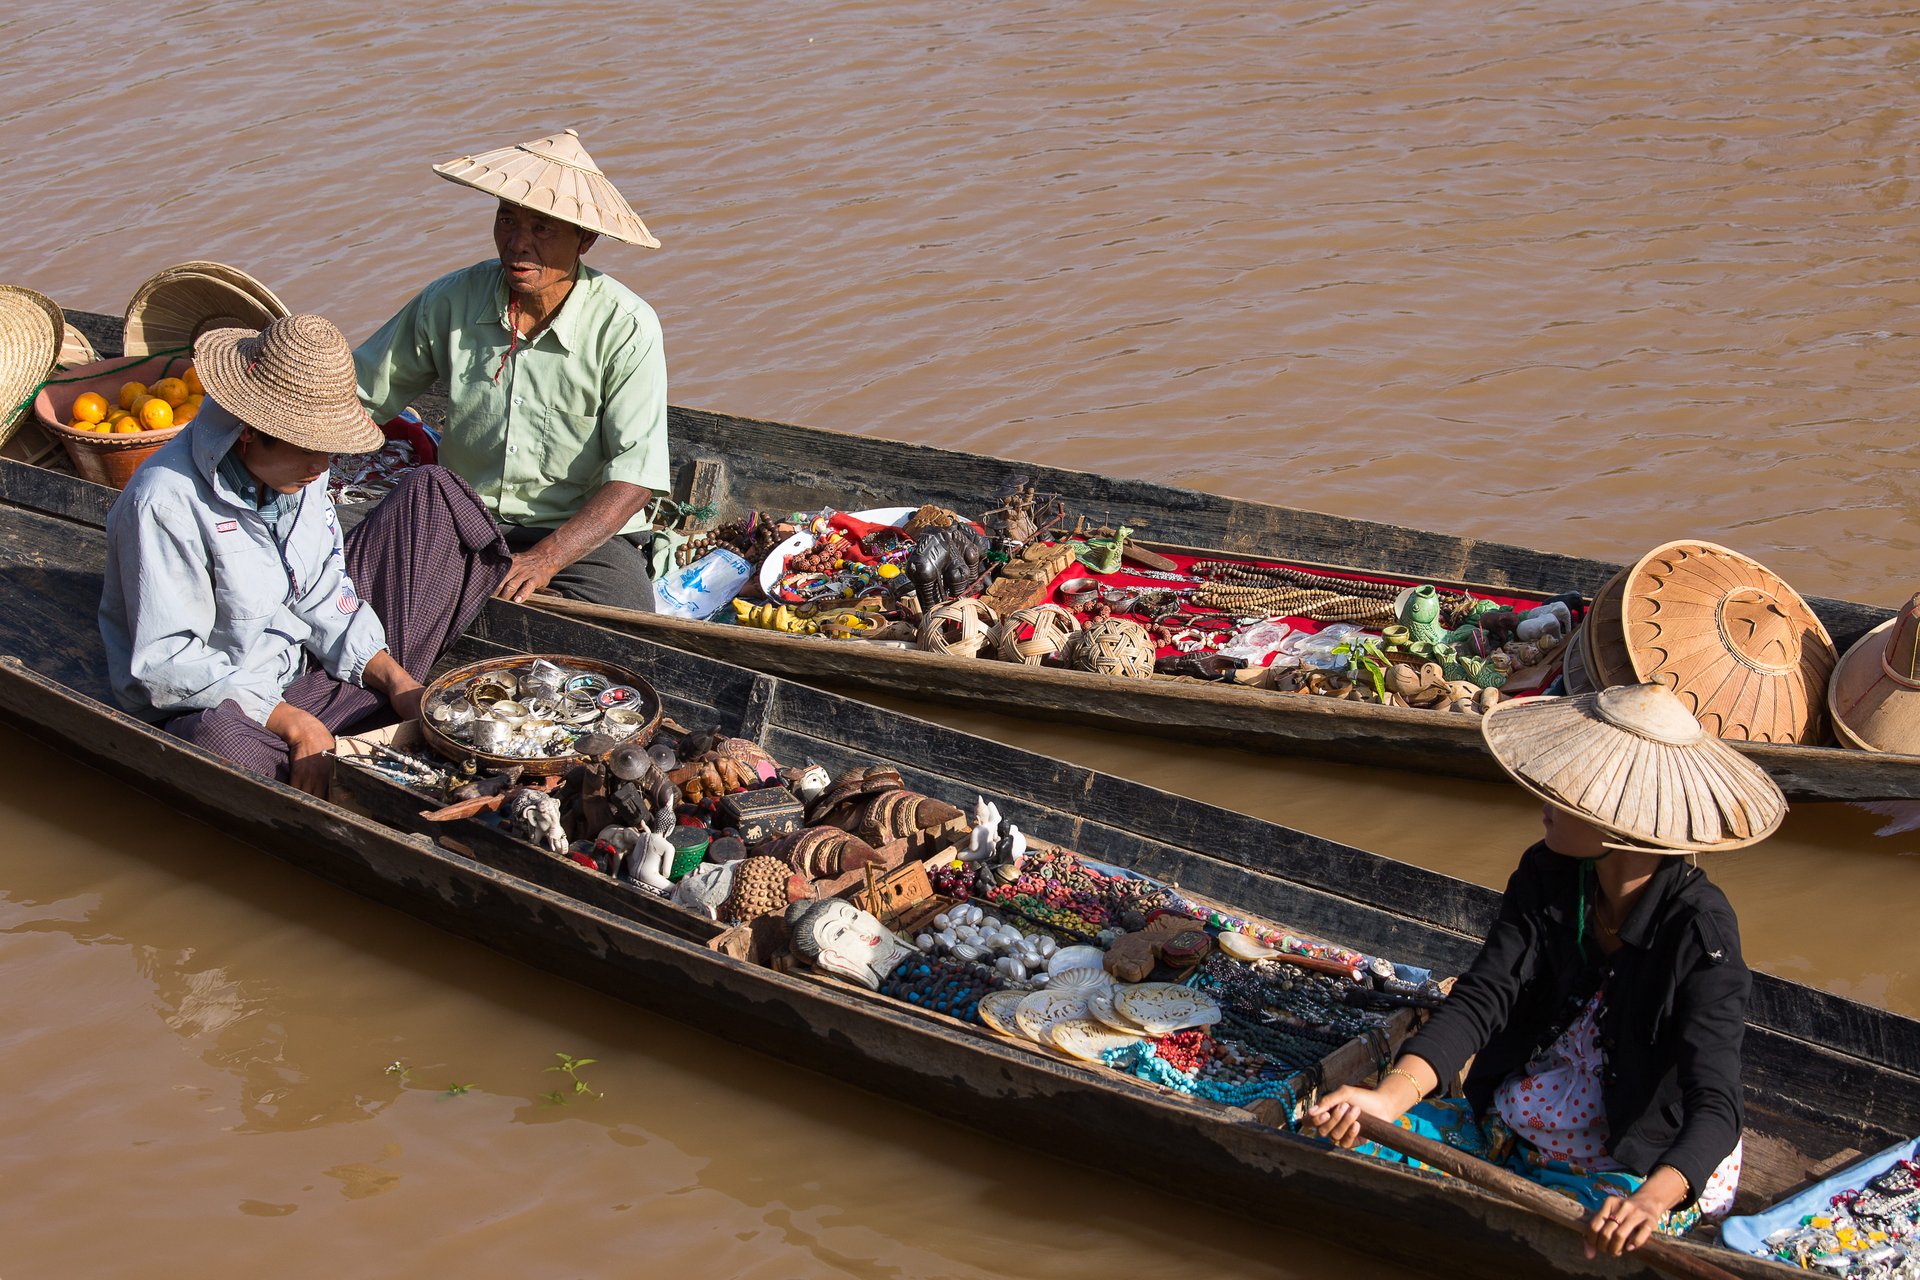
x,y
648,707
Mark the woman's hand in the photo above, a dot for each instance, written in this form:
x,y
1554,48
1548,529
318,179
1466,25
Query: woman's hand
x,y
1336,1116
1624,1223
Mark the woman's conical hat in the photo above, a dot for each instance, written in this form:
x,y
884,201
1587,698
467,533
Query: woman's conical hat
x,y
1874,696
1738,645
174,307
553,175
1634,762
31,330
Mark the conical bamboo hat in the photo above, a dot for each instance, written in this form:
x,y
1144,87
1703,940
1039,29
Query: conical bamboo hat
x,y
76,348
31,328
175,306
1604,647
1633,761
553,175
1573,663
1738,645
1874,696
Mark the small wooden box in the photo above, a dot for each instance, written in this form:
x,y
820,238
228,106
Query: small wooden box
x,y
760,815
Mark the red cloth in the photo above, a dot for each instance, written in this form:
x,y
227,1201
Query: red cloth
x,y
1125,576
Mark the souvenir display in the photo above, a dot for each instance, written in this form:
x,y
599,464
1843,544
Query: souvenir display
x,y
536,712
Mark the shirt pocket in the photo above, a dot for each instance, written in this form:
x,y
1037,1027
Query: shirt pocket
x,y
570,449
249,585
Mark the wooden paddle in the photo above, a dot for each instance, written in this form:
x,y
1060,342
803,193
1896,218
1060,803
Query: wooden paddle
x,y
1662,1251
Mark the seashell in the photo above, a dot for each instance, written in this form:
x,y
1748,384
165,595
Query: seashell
x,y
924,941
987,921
967,951
1040,979
1011,967
943,921
1242,947
1030,958
1048,946
1076,958
946,938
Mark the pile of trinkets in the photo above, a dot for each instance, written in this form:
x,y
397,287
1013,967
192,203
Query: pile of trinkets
x,y
1872,1233
369,477
538,711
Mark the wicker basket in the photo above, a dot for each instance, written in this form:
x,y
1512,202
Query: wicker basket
x,y
650,708
105,459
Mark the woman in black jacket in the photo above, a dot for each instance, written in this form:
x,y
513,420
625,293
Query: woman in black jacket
x,y
1604,1013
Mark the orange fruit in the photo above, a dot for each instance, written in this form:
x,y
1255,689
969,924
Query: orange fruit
x,y
156,414
90,407
192,378
172,390
126,426
129,391
184,414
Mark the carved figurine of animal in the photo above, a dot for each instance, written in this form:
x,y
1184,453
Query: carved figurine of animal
x,y
945,562
772,617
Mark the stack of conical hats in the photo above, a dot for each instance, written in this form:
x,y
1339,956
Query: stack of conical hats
x,y
1874,696
553,175
175,306
31,330
1741,649
1634,762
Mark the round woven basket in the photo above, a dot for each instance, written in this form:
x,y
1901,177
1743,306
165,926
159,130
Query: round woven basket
x,y
1031,635
1111,647
104,459
175,306
650,708
1573,664
1748,657
957,628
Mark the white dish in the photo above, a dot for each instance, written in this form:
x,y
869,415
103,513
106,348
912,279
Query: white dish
x,y
996,1011
775,565
1100,1009
1042,1009
1079,981
1162,1008
1086,1039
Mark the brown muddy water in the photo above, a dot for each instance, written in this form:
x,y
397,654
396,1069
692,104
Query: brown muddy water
x,y
1582,277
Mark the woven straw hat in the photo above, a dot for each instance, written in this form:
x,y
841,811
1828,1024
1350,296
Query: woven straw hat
x,y
174,307
1738,645
553,175
1874,696
1633,761
293,380
31,330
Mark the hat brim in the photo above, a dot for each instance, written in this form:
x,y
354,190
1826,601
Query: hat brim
x,y
342,426
487,182
1700,797
1871,710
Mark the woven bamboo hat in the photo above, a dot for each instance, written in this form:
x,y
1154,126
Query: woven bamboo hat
x,y
173,307
553,175
293,380
1634,762
31,330
1874,696
1739,646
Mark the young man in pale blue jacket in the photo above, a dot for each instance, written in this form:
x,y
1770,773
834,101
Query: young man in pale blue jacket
x,y
234,613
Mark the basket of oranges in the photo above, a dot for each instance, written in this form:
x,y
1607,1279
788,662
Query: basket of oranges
x,y
112,415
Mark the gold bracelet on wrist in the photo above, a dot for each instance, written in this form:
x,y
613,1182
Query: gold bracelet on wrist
x,y
1418,1092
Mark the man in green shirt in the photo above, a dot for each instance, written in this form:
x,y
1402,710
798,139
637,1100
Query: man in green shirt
x,y
555,371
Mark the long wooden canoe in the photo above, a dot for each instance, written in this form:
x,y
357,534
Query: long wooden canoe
x,y
770,466
1825,1076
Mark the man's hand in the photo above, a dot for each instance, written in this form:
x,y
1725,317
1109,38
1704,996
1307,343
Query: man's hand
x,y
384,674
532,570
308,742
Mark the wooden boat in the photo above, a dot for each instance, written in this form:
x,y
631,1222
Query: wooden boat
x,y
1826,1077
742,464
